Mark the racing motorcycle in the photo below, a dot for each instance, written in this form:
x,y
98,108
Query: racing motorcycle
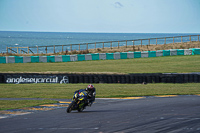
x,y
79,101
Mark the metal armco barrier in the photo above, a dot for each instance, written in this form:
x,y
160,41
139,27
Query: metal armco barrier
x,y
18,78
96,45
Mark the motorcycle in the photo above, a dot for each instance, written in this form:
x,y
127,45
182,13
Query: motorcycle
x,y
79,101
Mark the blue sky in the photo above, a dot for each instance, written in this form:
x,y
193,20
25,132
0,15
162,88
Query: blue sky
x,y
122,16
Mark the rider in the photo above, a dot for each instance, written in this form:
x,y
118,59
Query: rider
x,y
91,91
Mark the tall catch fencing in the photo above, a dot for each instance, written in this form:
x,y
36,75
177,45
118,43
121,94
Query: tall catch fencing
x,y
96,45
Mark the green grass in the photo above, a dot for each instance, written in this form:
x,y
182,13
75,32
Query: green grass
x,y
16,104
170,64
65,91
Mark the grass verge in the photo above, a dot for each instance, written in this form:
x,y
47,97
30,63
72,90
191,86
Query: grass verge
x,y
65,91
168,64
16,104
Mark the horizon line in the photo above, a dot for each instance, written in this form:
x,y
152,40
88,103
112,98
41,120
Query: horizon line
x,y
100,32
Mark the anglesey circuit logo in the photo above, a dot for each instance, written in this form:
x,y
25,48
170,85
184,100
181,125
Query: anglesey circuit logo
x,y
64,80
38,79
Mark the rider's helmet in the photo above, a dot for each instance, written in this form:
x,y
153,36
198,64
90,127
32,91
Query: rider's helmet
x,y
90,86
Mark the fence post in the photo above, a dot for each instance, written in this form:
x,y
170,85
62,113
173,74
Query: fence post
x,y
18,50
46,49
118,44
198,38
181,39
156,41
37,49
111,45
7,49
149,41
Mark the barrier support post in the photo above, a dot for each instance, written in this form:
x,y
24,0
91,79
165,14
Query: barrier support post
x,y
46,49
149,41
118,44
156,41
181,39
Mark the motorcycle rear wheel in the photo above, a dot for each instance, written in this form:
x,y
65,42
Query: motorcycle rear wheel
x,y
80,110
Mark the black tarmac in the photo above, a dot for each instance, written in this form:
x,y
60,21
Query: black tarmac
x,y
179,114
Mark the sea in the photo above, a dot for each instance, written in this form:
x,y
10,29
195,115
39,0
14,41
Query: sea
x,y
34,39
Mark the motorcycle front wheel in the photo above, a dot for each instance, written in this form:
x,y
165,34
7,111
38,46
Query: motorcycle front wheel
x,y
70,107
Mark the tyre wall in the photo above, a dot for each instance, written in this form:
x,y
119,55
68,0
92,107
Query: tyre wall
x,y
99,78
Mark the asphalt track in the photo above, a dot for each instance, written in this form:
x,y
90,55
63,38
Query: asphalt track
x,y
149,114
